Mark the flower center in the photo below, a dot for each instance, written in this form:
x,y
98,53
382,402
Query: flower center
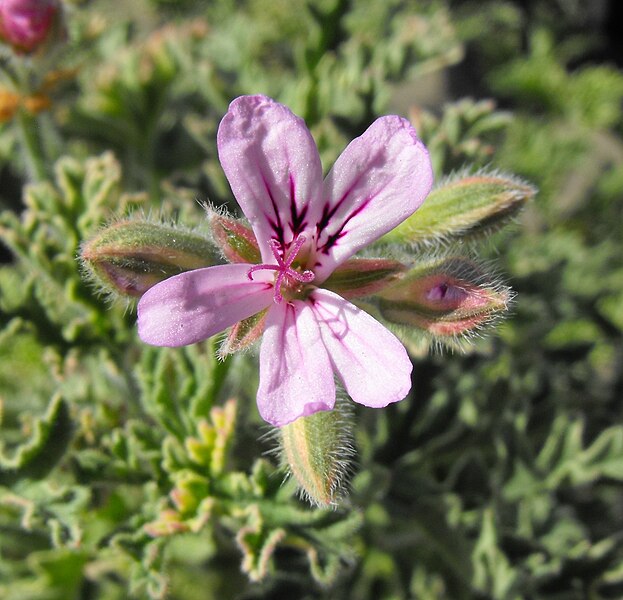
x,y
285,273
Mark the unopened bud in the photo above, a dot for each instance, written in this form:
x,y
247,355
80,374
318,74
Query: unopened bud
x,y
449,297
468,207
318,451
27,25
131,256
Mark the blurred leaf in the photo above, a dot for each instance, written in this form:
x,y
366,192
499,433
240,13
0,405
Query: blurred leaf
x,y
47,445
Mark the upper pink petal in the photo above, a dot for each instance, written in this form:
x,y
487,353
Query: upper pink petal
x,y
371,362
379,180
296,378
193,306
273,168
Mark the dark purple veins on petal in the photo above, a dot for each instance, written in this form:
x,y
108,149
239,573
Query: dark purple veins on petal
x,y
275,219
339,233
328,212
298,222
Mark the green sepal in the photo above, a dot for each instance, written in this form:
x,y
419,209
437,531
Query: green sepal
x,y
243,334
464,208
363,276
131,256
236,241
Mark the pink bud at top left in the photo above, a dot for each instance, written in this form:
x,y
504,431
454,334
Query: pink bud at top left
x,y
27,24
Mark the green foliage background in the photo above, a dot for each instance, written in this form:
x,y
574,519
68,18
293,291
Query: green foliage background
x,y
122,471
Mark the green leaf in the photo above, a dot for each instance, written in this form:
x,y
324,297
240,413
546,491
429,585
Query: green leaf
x,y
47,445
53,575
493,572
180,385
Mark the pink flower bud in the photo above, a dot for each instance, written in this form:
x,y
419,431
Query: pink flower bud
x,y
448,297
27,24
129,257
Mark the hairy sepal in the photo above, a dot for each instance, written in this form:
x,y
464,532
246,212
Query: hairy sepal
x,y
235,240
243,334
359,277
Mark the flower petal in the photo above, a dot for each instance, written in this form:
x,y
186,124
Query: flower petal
x,y
379,180
296,378
371,362
195,305
273,168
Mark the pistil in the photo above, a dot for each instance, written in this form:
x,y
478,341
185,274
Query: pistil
x,y
284,266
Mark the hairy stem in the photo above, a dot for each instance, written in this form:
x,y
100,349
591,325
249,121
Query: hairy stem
x,y
32,146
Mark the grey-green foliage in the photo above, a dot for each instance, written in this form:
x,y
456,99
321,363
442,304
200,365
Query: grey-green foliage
x,y
157,99
519,448
122,473
590,96
36,457
44,286
127,450
464,134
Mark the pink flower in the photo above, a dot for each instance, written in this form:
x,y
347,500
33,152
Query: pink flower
x,y
305,229
25,24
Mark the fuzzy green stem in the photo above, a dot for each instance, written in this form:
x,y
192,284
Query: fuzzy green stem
x,y
32,146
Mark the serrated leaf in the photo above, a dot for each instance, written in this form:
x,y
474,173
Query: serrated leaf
x,y
47,445
180,385
53,575
257,543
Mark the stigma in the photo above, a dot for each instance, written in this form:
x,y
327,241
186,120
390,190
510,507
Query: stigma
x,y
285,273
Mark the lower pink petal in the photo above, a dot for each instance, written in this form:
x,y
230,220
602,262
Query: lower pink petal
x,y
371,362
195,305
296,377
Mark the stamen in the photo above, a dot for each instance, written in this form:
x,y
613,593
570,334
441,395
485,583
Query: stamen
x,y
283,266
261,268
